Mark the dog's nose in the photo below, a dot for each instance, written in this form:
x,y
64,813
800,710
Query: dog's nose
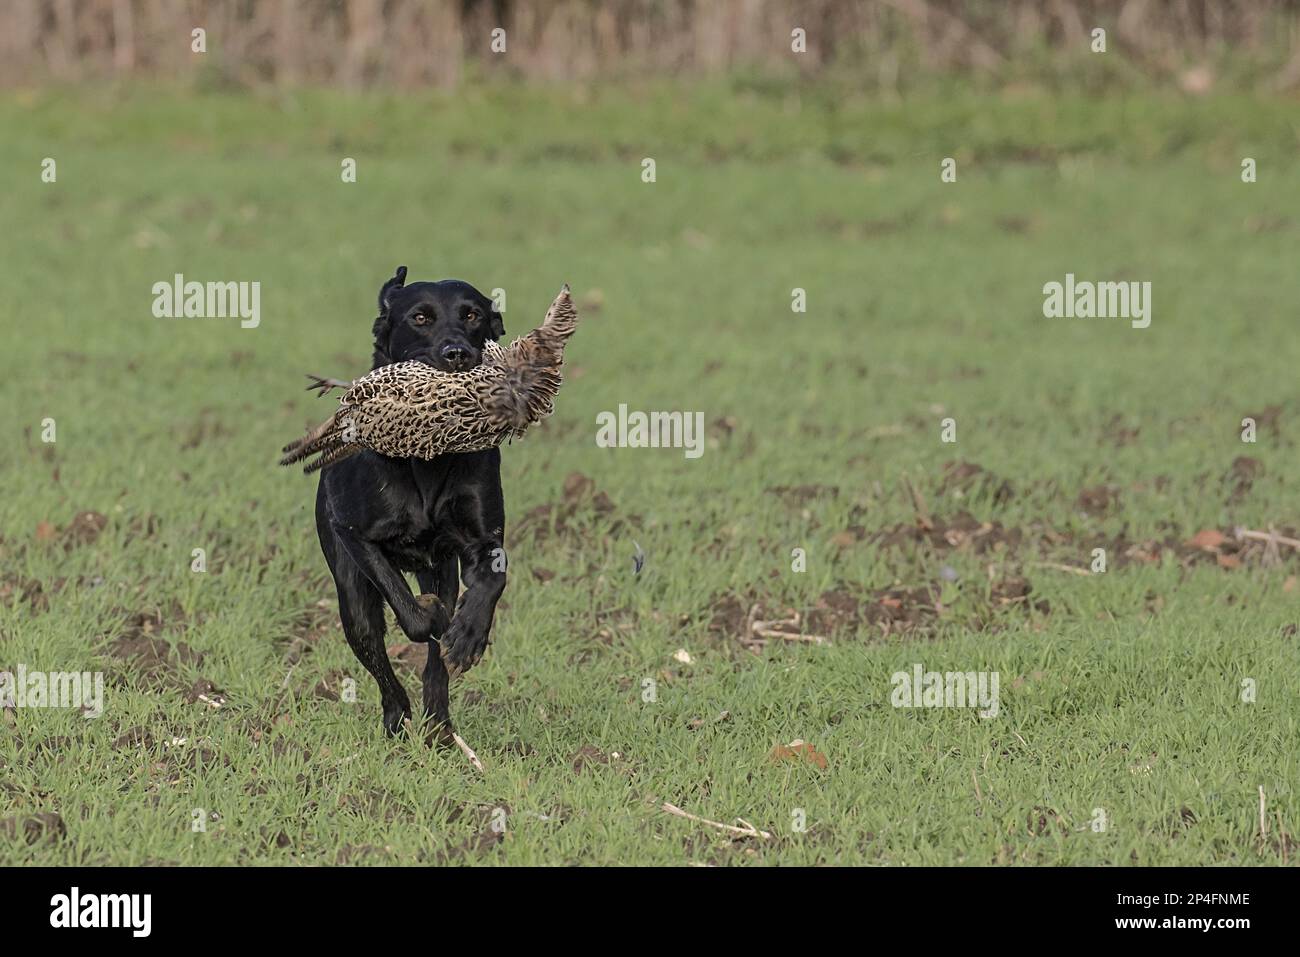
x,y
455,356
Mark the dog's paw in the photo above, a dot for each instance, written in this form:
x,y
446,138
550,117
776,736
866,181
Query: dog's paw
x,y
397,718
463,646
438,618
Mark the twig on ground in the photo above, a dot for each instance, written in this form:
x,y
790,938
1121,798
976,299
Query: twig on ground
x,y
779,628
790,636
918,505
467,751
886,431
1073,569
748,831
1273,538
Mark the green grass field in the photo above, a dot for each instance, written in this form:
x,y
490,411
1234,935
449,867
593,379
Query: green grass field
x,y
1120,691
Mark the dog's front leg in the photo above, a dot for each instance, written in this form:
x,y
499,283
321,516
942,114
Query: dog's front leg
x,y
483,569
418,622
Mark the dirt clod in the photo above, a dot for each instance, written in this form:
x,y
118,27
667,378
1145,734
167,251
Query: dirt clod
x,y
45,826
588,754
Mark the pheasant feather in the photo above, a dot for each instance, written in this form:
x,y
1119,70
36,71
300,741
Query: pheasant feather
x,y
410,410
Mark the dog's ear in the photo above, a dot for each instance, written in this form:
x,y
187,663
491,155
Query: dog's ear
x,y
383,324
390,289
496,324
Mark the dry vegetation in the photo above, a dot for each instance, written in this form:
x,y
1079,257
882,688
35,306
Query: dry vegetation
x,y
411,43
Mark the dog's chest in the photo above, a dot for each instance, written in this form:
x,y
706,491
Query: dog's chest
x,y
413,532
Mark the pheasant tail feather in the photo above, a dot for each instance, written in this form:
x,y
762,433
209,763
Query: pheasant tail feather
x,y
332,455
327,439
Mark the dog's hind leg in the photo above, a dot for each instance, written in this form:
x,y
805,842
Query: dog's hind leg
x,y
415,619
444,581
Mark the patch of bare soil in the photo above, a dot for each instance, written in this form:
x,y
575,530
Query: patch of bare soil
x,y
206,430
330,687
46,826
409,655
961,531
847,610
374,804
1118,434
278,839
729,615
135,737
487,837
1238,547
588,754
753,620
1228,547
142,655
315,622
966,479
206,693
1241,476
1270,418
1099,500
1042,821
798,496
472,848
581,505
142,526
36,594
358,854
84,529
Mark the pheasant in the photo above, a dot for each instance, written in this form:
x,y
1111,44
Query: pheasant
x,y
410,410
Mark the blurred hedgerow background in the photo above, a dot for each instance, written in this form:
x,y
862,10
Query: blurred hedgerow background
x,y
1147,713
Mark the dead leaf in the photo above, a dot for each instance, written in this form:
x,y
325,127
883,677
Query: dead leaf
x,y
850,536
799,749
1208,539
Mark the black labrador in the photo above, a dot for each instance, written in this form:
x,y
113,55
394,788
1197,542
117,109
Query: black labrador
x,y
379,517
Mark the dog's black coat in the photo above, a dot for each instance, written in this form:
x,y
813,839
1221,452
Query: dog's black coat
x,y
443,519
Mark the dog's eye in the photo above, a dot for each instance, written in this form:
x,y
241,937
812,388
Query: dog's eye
x,y
420,319
472,316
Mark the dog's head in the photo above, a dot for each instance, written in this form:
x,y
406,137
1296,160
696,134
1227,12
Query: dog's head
x,y
442,324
